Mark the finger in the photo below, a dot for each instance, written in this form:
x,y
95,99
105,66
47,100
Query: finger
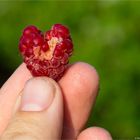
x,y
94,133
40,114
80,87
9,92
21,75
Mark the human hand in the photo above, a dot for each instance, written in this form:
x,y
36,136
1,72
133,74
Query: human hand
x,y
41,109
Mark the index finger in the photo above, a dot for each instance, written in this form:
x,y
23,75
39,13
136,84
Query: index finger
x,y
9,93
80,87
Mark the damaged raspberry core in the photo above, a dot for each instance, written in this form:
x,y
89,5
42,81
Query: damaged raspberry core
x,y
46,54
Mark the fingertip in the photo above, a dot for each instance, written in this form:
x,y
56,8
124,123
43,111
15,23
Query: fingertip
x,y
88,67
17,80
87,73
95,133
81,75
38,94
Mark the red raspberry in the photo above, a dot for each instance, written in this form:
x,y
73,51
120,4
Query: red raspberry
x,y
48,54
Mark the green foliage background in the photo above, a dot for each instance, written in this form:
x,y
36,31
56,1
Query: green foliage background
x,y
106,35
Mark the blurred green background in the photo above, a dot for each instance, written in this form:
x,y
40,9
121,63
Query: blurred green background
x,y
106,35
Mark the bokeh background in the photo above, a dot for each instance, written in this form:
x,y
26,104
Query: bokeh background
x,y
106,35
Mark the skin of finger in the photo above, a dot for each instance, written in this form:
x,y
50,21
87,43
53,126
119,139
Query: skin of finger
x,y
9,93
80,88
94,133
9,96
42,125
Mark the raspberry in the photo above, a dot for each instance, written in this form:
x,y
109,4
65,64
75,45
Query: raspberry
x,y
46,54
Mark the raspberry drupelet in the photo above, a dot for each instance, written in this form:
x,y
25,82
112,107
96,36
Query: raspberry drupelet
x,y
46,54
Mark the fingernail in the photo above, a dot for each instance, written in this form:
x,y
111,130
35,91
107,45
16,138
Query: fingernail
x,y
38,94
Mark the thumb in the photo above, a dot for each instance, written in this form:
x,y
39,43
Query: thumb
x,y
40,113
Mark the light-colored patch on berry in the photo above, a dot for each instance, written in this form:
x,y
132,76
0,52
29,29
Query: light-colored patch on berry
x,y
52,44
39,54
36,51
54,40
